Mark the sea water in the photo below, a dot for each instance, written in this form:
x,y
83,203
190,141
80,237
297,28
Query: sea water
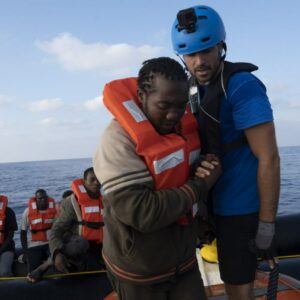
x,y
19,181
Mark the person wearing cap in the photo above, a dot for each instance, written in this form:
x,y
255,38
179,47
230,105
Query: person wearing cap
x,y
236,124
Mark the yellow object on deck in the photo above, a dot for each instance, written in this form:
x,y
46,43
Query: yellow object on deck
x,y
209,252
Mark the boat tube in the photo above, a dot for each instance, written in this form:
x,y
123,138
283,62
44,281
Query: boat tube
x,y
96,286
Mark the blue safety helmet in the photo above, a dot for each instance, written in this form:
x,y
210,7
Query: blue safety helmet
x,y
196,29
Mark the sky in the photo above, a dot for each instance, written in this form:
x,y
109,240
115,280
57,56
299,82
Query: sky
x,y
56,56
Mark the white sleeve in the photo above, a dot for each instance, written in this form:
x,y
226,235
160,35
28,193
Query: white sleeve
x,y
25,223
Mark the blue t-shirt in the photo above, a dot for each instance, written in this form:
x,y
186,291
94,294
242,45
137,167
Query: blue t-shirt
x,y
246,105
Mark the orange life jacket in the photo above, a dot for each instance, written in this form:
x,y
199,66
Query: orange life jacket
x,y
3,205
91,212
40,222
168,157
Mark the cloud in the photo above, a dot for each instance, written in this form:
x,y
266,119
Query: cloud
x,y
2,124
48,121
116,59
67,124
46,105
4,99
94,104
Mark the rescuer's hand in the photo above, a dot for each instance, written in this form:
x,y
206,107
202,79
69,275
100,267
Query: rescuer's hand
x,y
263,245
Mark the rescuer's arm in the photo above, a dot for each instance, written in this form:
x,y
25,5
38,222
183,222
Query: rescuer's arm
x,y
262,141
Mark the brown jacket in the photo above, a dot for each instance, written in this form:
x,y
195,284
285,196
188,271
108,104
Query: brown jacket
x,y
142,241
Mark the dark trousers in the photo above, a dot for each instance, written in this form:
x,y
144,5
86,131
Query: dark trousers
x,y
94,257
36,256
188,286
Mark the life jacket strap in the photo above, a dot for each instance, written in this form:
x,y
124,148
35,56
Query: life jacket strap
x,y
92,225
39,230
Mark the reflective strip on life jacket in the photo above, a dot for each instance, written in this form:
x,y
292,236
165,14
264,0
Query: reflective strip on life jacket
x,y
135,111
92,209
40,222
168,162
91,212
36,221
168,157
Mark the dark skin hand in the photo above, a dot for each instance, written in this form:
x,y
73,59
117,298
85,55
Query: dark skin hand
x,y
209,169
61,263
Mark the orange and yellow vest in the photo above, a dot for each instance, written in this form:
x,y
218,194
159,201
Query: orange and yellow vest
x,y
3,205
40,222
168,157
91,212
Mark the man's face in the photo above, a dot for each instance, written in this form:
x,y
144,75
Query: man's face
x,y
41,200
166,104
204,65
91,183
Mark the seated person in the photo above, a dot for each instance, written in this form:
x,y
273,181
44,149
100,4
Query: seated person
x,y
80,215
38,217
74,252
8,226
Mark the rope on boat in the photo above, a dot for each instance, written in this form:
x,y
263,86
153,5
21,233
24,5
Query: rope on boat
x,y
58,275
273,283
288,256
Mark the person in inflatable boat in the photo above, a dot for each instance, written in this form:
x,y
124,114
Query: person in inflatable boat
x,y
154,185
38,217
236,124
80,215
8,225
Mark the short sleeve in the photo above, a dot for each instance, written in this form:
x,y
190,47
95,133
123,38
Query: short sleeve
x,y
250,103
24,224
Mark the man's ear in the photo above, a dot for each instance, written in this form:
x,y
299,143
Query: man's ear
x,y
222,50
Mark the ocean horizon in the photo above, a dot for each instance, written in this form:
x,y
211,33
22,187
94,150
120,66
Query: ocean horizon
x,y
20,180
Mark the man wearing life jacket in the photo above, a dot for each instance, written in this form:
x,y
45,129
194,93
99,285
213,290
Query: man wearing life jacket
x,y
151,196
38,217
37,274
8,226
236,123
80,215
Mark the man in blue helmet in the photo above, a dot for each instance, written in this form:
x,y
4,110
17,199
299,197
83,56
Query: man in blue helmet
x,y
236,123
